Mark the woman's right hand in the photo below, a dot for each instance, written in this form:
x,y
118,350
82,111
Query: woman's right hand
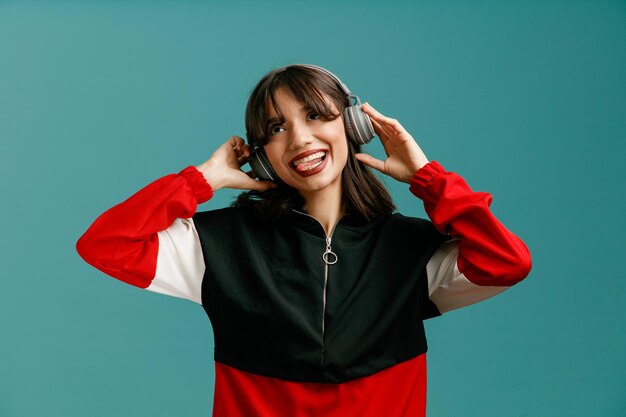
x,y
223,168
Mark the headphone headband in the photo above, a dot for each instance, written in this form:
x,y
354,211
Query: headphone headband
x,y
333,76
340,83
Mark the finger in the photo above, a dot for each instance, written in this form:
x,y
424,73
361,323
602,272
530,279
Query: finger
x,y
235,142
380,130
243,159
370,161
242,153
262,185
247,151
371,111
253,184
393,124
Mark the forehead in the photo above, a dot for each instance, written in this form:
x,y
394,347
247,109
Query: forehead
x,y
284,100
287,102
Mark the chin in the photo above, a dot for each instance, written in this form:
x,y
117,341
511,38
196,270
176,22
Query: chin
x,y
316,184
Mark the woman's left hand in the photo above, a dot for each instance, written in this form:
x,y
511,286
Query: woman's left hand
x,y
404,156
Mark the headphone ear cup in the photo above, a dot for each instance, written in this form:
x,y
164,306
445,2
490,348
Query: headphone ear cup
x,y
347,122
261,166
358,125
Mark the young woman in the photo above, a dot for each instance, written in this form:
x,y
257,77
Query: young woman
x,y
315,288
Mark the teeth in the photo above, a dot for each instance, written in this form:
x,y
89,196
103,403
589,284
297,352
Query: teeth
x,y
313,166
311,157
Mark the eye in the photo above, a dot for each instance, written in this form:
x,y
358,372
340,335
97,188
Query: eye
x,y
274,129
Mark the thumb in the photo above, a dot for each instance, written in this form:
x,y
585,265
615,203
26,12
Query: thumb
x,y
259,185
370,161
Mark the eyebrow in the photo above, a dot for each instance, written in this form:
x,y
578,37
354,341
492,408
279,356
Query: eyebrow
x,y
280,119
273,120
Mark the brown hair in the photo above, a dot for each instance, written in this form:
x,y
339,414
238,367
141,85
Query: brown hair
x,y
363,193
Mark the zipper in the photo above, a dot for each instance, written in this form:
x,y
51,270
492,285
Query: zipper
x,y
330,258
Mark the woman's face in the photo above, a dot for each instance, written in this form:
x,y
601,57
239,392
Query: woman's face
x,y
306,151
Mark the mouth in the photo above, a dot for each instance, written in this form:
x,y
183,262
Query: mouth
x,y
310,162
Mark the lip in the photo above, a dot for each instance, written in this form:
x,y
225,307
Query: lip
x,y
313,171
307,153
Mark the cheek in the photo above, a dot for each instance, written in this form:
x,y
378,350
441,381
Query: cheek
x,y
343,155
341,148
273,153
335,131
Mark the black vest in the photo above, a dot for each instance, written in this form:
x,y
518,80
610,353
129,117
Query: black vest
x,y
277,309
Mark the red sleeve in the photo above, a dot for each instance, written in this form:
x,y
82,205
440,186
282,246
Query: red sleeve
x,y
123,241
488,253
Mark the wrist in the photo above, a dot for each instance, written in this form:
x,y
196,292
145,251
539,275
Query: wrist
x,y
210,175
414,169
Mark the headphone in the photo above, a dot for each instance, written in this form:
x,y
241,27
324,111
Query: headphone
x,y
358,126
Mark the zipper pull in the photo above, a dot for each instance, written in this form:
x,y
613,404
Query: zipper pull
x,y
329,257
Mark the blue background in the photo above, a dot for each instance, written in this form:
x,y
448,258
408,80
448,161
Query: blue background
x,y
526,100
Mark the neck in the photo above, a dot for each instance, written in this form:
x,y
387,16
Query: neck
x,y
325,205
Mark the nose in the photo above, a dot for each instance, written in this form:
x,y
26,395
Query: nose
x,y
300,136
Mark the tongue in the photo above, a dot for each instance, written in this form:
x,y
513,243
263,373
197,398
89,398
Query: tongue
x,y
306,165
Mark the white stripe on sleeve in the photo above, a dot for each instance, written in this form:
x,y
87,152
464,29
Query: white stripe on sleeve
x,y
448,288
180,264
